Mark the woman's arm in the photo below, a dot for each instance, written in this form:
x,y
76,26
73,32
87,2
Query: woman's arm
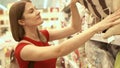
x,y
74,27
35,53
43,53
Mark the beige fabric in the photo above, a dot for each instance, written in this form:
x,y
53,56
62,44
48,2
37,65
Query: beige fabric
x,y
112,5
116,4
115,30
98,7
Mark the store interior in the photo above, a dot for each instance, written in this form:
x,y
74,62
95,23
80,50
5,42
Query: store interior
x,y
98,52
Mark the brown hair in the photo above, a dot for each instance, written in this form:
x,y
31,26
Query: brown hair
x,y
15,14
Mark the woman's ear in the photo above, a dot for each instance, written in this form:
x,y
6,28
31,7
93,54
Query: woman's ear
x,y
21,22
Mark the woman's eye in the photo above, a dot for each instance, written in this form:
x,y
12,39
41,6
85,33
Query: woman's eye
x,y
31,11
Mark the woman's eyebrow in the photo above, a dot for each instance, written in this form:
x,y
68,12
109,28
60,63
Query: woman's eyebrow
x,y
31,8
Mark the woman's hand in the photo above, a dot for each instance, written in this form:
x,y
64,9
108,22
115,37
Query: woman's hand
x,y
109,21
76,23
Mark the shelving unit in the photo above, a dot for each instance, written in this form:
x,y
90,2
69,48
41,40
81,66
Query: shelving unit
x,y
99,38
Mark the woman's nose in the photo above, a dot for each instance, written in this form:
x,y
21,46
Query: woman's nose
x,y
37,12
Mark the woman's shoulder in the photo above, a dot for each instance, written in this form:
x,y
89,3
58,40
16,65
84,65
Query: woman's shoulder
x,y
22,43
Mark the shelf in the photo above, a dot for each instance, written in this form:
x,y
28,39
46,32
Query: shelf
x,y
99,38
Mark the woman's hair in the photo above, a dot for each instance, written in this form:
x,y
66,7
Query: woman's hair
x,y
15,14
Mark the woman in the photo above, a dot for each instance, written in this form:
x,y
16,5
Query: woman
x,y
33,44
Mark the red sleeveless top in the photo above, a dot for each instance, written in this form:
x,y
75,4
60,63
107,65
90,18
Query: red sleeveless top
x,y
51,63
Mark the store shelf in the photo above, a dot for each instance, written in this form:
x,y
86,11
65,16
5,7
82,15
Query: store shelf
x,y
99,38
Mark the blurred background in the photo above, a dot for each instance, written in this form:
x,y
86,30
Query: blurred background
x,y
39,3
55,13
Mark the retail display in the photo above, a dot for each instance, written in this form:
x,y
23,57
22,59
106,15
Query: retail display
x,y
102,8
95,53
96,56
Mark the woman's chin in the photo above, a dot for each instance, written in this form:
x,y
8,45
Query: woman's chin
x,y
40,22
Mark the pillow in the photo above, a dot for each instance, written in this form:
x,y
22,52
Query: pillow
x,y
115,30
102,8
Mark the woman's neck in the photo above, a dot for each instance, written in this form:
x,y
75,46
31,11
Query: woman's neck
x,y
32,33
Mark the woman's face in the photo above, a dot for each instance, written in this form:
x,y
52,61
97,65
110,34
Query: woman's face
x,y
31,15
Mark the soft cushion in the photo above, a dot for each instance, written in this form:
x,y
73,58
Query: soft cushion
x,y
102,8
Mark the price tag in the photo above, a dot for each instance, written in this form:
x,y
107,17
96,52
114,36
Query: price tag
x,y
110,39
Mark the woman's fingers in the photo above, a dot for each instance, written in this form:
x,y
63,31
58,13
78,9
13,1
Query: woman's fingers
x,y
118,10
115,18
116,22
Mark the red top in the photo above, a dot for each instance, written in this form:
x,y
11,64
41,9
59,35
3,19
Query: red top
x,y
51,63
